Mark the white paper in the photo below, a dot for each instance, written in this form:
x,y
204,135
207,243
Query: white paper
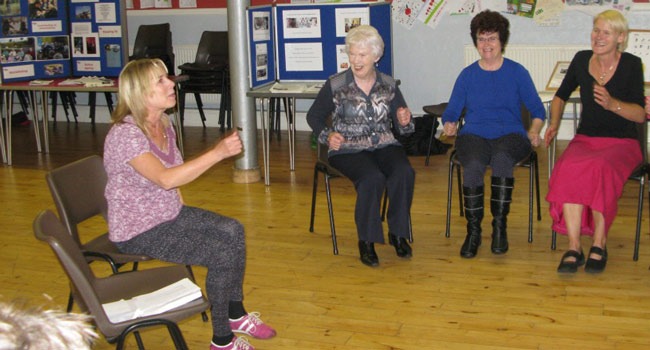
x,y
105,13
159,301
342,58
187,4
288,87
46,26
303,56
163,4
348,18
81,28
89,66
22,71
261,30
110,31
301,24
146,4
261,61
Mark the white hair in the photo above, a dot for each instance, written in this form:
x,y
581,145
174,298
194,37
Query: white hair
x,y
34,328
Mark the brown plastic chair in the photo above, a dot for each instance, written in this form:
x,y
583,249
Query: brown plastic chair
x,y
78,192
530,162
91,292
639,174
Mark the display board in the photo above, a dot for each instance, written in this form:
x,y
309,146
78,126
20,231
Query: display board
x,y
98,36
311,38
261,62
34,41
638,44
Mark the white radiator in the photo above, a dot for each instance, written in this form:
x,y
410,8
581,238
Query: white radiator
x,y
538,59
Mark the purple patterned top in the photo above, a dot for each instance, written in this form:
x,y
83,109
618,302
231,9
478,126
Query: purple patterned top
x,y
136,204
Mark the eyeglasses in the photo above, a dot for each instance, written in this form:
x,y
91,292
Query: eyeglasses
x,y
490,39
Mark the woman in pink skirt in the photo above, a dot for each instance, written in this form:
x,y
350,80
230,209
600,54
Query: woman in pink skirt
x,y
588,178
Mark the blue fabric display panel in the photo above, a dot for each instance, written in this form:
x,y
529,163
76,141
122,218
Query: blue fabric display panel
x,y
311,38
34,42
261,45
98,37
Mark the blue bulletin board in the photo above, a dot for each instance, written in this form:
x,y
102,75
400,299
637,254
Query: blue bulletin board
x,y
261,41
98,37
34,42
309,40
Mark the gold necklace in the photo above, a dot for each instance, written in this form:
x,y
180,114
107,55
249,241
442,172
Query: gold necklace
x,y
604,72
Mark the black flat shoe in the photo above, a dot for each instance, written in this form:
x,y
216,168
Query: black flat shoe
x,y
402,248
571,266
368,254
596,266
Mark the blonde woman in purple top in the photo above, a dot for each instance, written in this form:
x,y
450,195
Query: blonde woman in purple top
x,y
146,214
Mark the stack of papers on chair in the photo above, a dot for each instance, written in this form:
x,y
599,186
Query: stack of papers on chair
x,y
159,301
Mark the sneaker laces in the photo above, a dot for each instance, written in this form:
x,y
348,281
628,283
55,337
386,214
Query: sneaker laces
x,y
242,343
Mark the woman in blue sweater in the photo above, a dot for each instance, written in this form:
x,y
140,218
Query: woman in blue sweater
x,y
491,92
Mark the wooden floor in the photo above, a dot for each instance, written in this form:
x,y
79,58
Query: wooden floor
x,y
317,300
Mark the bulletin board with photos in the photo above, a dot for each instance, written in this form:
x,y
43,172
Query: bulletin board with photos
x,y
98,37
262,45
34,41
310,39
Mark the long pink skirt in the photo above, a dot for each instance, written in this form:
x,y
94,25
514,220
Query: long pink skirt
x,y
591,172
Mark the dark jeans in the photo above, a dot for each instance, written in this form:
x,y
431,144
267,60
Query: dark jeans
x,y
372,172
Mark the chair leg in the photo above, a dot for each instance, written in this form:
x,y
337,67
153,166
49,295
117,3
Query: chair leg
x,y
553,240
431,137
639,209
204,315
199,105
539,208
450,184
138,339
70,303
313,199
531,181
331,213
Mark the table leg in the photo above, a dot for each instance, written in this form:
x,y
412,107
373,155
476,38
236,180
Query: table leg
x,y
3,113
291,128
10,110
35,112
265,141
46,137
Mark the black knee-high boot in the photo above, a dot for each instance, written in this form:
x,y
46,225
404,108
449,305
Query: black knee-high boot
x,y
474,214
500,207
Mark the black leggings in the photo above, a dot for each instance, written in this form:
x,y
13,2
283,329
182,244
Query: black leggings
x,y
475,153
204,238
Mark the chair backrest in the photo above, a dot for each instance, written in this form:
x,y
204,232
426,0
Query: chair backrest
x,y
48,228
78,192
154,41
213,48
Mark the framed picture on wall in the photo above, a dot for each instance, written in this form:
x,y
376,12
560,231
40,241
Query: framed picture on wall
x,y
558,75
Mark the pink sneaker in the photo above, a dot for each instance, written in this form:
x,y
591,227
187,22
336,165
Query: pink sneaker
x,y
253,326
236,344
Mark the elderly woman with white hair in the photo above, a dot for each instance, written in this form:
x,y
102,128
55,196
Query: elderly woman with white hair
x,y
365,105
